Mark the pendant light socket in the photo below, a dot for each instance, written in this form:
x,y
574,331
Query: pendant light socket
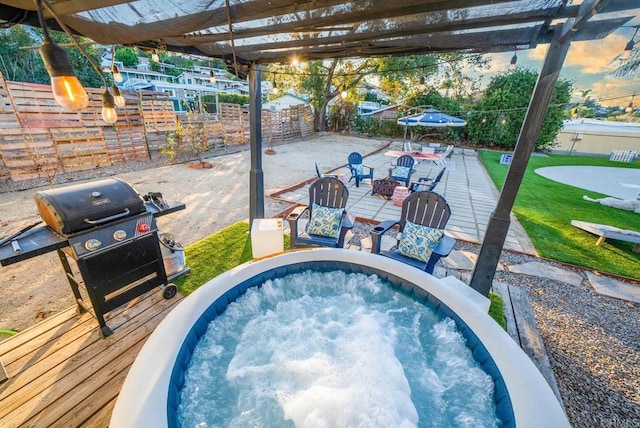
x,y
67,89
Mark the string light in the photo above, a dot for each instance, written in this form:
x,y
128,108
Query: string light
x,y
155,57
629,108
514,60
117,96
65,85
117,76
422,86
275,89
343,91
109,114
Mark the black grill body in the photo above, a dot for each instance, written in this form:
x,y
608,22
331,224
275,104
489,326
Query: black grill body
x,y
79,207
118,261
110,232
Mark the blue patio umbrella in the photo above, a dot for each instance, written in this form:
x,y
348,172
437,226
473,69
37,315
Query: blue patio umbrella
x,y
431,118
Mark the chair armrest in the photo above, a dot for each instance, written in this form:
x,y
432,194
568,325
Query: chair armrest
x,y
425,179
348,221
377,232
443,249
445,246
292,219
296,213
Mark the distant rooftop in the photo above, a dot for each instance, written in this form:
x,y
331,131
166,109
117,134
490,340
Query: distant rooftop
x,y
593,125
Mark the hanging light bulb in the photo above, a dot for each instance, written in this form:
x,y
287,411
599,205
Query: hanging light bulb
x,y
109,114
275,89
118,99
504,119
422,86
629,108
484,120
212,77
514,61
154,56
67,89
117,76
343,91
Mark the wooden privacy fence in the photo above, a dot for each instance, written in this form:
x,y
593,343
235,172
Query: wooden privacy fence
x,y
39,139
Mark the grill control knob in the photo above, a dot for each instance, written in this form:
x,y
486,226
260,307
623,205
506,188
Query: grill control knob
x,y
119,235
92,244
96,194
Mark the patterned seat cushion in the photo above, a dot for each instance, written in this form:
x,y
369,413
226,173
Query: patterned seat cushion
x,y
402,171
418,242
325,221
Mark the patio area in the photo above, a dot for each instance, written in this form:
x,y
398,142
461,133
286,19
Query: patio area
x,y
465,185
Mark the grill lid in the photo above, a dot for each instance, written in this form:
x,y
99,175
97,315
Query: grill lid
x,y
75,208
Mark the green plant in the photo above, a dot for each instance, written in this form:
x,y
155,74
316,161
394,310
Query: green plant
x,y
496,310
233,99
216,254
500,112
190,137
376,127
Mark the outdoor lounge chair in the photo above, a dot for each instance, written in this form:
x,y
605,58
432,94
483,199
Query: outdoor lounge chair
x,y
417,245
403,169
357,168
328,221
322,174
427,184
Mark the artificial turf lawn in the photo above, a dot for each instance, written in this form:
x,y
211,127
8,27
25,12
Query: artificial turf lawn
x,y
545,209
231,247
216,254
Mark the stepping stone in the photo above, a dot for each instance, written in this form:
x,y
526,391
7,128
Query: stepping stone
x,y
463,260
611,287
546,271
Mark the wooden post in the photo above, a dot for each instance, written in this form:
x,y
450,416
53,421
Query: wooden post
x,y
256,176
498,226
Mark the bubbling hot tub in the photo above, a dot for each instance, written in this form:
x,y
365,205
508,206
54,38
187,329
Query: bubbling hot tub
x,y
150,395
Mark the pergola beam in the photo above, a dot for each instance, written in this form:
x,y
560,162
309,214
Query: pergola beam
x,y
256,175
496,233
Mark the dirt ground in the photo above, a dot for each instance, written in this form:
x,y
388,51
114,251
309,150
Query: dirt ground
x,y
215,198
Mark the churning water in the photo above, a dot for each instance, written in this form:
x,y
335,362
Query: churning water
x,y
333,349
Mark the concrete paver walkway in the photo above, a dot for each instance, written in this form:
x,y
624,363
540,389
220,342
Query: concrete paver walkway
x,y
465,185
472,197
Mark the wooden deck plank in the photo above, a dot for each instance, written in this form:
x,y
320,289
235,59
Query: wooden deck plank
x,y
76,337
52,367
530,340
79,382
101,418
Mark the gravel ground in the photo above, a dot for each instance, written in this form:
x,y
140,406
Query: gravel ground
x,y
592,341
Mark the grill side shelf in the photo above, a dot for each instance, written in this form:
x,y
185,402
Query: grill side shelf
x,y
39,240
159,212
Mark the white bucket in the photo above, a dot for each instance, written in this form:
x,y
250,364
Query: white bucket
x,y
172,254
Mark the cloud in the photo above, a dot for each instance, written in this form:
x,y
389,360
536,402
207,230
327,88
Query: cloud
x,y
591,57
607,91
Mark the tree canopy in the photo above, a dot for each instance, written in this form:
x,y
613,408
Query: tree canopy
x,y
499,114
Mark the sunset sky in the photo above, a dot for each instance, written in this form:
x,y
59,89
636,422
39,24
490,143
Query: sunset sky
x,y
587,64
